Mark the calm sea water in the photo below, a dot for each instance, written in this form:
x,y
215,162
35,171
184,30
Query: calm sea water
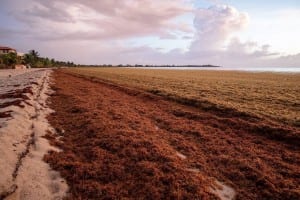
x,y
250,69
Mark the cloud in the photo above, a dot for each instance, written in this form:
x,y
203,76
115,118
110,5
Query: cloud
x,y
95,32
286,61
105,19
10,33
215,25
214,41
250,49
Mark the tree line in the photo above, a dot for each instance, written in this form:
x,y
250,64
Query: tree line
x,y
32,59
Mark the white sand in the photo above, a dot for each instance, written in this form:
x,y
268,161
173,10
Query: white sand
x,y
224,192
219,189
33,179
180,155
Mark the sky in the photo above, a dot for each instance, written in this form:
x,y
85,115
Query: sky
x,y
234,33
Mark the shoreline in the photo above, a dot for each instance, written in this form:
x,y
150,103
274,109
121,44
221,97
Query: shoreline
x,y
280,70
250,70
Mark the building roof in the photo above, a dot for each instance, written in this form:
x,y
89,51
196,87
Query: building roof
x,y
6,48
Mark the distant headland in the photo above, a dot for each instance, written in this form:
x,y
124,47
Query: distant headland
x,y
158,66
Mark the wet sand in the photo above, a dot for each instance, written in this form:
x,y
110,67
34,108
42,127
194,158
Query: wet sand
x,y
121,142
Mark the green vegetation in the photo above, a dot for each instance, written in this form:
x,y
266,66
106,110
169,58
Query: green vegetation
x,y
31,59
268,95
9,59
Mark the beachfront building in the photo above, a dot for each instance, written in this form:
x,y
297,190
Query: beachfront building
x,y
6,50
12,61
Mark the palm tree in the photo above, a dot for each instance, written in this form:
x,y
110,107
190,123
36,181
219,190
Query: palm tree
x,y
32,57
34,54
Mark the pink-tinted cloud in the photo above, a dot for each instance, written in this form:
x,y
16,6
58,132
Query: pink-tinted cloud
x,y
215,43
95,32
105,19
215,25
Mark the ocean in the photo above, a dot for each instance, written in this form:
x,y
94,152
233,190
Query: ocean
x,y
249,69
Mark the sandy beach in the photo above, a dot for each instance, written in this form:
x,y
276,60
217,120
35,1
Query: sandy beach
x,y
23,123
